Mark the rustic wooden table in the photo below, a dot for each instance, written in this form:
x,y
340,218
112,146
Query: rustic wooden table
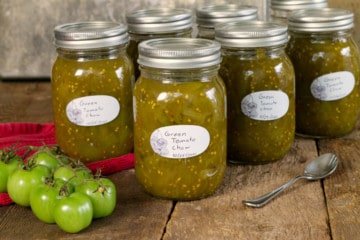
x,y
328,209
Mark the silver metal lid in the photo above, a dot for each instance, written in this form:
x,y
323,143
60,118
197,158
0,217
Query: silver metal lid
x,y
290,5
209,16
90,35
160,20
179,53
321,20
251,34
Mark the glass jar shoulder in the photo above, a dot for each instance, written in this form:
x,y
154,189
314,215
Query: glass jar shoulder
x,y
253,67
181,102
314,56
100,72
320,47
181,87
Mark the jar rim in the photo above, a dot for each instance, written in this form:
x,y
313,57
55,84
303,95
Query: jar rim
x,y
321,20
211,15
179,53
297,4
159,20
251,34
90,35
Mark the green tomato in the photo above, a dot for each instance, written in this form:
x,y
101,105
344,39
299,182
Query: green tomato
x,y
6,169
102,193
21,182
50,157
73,213
45,159
43,198
72,174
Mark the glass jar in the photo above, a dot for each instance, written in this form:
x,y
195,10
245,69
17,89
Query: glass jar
x,y
156,23
281,9
208,16
92,80
260,82
327,68
181,153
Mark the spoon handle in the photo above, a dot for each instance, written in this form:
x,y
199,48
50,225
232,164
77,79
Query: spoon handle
x,y
264,199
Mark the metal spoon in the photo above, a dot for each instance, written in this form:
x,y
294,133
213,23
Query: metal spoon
x,y
319,168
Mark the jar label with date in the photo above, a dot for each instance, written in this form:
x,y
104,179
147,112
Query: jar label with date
x,y
180,141
333,86
265,105
92,110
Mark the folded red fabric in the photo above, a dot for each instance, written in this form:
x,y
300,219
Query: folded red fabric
x,y
38,134
26,134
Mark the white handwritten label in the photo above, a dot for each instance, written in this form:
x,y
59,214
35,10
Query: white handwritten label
x,y
333,86
180,141
265,105
92,110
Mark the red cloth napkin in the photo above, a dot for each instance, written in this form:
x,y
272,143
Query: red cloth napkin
x,y
38,134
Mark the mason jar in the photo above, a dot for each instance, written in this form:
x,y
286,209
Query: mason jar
x,y
156,23
208,16
280,10
327,68
260,82
180,118
92,80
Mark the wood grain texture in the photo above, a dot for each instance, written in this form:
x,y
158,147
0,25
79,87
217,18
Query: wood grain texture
x,y
25,102
298,213
343,188
137,216
327,209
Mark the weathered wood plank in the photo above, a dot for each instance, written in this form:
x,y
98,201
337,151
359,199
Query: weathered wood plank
x,y
299,213
137,216
25,102
342,190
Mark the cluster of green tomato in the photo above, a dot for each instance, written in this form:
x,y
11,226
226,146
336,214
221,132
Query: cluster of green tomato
x,y
58,189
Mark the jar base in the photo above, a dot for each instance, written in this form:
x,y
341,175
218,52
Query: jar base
x,y
242,162
304,135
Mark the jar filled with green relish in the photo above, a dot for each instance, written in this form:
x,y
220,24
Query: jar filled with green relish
x,y
156,23
260,83
92,80
327,69
281,9
208,16
180,118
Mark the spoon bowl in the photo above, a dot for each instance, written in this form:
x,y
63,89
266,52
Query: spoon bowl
x,y
317,169
321,167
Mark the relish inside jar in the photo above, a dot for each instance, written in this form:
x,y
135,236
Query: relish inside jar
x,y
91,91
260,83
327,69
180,119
